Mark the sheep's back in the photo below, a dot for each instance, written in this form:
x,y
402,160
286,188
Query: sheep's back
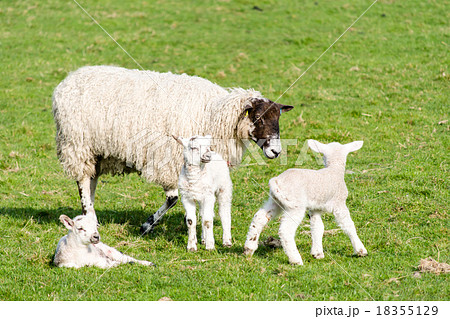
x,y
125,114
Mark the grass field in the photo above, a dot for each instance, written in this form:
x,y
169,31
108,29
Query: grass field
x,y
386,81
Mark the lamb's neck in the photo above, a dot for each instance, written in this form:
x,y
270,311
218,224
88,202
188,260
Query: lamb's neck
x,y
193,172
73,241
337,166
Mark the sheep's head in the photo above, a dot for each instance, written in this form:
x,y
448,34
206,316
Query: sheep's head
x,y
264,129
334,152
196,149
84,227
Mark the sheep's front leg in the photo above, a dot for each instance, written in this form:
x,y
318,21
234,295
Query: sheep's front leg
x,y
153,220
191,223
317,229
224,199
261,218
345,222
207,214
288,226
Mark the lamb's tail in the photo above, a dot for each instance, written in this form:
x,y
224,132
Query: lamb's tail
x,y
278,195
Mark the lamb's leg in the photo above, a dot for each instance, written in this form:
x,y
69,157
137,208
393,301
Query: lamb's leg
x,y
261,218
224,199
84,189
207,214
317,229
191,223
288,226
153,220
345,222
117,257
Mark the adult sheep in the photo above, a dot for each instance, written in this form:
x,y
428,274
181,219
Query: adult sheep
x,y
114,120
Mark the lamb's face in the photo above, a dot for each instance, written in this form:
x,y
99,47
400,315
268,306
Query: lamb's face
x,y
265,116
197,149
334,152
84,227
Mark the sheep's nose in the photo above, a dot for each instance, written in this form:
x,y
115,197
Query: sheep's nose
x,y
276,152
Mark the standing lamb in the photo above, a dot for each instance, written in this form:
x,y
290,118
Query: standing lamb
x,y
204,177
82,247
297,190
114,120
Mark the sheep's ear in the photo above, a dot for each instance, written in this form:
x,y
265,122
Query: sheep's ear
x,y
285,108
179,141
354,146
66,221
316,146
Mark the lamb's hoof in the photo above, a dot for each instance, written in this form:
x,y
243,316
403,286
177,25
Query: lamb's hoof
x,y
192,249
227,244
147,263
318,256
248,252
361,253
296,262
148,226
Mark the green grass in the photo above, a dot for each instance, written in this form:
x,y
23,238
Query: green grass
x,y
385,82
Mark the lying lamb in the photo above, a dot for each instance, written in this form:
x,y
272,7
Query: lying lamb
x,y
204,177
82,246
297,190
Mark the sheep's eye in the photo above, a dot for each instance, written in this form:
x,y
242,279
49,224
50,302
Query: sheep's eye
x,y
81,229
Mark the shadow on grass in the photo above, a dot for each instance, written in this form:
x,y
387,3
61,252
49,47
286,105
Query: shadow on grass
x,y
171,227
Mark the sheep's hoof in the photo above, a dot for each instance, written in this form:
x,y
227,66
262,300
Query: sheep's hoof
x,y
192,249
296,262
148,226
318,256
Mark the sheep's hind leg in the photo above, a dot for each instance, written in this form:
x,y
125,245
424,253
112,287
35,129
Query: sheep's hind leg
x,y
261,218
317,229
84,189
153,220
345,222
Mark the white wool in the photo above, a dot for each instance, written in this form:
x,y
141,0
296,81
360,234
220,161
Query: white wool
x,y
128,117
296,191
205,177
82,246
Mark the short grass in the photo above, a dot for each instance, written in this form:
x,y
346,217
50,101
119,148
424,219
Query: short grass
x,y
385,82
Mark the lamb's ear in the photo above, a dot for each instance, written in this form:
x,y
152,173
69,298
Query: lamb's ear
x,y
179,141
316,146
353,146
285,108
66,221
